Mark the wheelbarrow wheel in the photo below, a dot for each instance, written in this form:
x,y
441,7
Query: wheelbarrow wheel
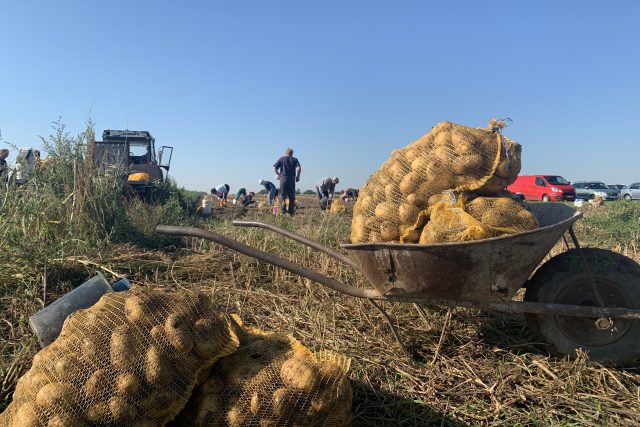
x,y
563,280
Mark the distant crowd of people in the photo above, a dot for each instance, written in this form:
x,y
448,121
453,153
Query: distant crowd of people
x,y
287,171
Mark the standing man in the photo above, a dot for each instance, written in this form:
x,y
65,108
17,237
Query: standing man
x,y
272,191
288,170
4,168
325,188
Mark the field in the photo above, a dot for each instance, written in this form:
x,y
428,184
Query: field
x,y
463,367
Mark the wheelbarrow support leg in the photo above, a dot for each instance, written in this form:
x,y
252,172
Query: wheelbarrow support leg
x,y
390,323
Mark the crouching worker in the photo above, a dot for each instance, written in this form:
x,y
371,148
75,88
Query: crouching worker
x,y
221,192
248,199
325,188
271,190
350,194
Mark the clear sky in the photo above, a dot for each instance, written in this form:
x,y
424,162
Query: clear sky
x,y
232,84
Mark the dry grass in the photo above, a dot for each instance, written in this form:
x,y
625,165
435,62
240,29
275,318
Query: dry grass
x,y
465,367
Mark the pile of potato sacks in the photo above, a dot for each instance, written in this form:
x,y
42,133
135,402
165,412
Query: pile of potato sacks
x,y
135,359
468,164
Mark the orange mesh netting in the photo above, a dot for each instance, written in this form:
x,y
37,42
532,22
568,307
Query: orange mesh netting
x,y
449,157
132,359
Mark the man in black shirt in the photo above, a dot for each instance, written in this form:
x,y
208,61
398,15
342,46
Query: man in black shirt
x,y
288,170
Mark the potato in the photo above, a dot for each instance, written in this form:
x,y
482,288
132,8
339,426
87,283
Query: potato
x,y
127,384
464,142
410,182
177,331
375,237
62,419
417,199
397,170
161,404
236,418
389,231
136,309
442,139
391,191
420,165
442,155
159,337
57,395
386,210
98,413
122,349
283,401
98,385
299,373
68,368
209,406
92,346
268,422
408,213
26,416
471,165
365,202
157,369
208,342
122,410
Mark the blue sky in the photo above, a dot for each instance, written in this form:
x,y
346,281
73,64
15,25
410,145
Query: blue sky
x,y
232,84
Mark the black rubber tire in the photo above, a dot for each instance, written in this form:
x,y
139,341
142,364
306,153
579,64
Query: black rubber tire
x,y
545,198
618,279
627,197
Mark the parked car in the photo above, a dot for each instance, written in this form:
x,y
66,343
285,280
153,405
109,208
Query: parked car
x,y
630,192
618,187
543,187
591,189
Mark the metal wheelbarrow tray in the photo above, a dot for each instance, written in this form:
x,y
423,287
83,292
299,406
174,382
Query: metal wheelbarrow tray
x,y
587,298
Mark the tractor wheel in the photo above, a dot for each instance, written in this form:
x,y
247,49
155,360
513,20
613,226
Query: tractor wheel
x,y
563,280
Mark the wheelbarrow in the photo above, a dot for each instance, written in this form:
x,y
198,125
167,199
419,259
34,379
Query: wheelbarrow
x,y
582,298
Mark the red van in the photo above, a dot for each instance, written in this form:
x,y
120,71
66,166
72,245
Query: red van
x,y
543,187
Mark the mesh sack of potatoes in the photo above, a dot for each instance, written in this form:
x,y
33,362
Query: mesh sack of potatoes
x,y
338,207
449,157
468,216
131,359
272,380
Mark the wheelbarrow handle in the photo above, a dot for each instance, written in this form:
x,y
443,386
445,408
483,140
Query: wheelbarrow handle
x,y
301,239
268,258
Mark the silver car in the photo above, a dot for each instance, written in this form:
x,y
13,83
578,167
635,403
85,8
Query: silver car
x,y
591,189
630,192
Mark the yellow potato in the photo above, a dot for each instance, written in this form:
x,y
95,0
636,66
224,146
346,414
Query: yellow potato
x,y
464,142
408,213
122,348
442,138
421,165
410,182
283,401
397,170
68,368
389,231
471,165
57,395
375,237
26,416
236,418
62,419
127,384
157,370
299,373
208,341
176,329
162,404
391,192
258,400
98,385
386,210
98,413
122,410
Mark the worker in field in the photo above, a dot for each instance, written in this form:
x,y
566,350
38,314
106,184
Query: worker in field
x,y
221,192
271,189
350,194
288,171
248,199
240,195
325,188
4,168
